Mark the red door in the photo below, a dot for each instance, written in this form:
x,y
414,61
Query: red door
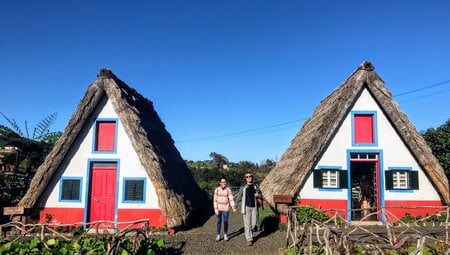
x,y
103,193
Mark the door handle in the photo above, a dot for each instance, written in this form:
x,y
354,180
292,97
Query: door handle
x,y
95,199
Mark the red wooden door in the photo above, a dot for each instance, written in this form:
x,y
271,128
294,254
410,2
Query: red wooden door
x,y
103,194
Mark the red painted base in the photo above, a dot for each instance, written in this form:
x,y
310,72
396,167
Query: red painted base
x,y
76,215
331,206
155,216
61,215
394,212
283,218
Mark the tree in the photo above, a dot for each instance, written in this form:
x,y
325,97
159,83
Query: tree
x,y
439,141
267,165
31,150
219,160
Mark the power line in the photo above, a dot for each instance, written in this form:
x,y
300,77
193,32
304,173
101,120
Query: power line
x,y
240,132
423,88
248,132
432,94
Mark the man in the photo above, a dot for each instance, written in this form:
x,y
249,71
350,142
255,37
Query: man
x,y
247,195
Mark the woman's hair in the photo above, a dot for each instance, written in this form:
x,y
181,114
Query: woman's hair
x,y
221,178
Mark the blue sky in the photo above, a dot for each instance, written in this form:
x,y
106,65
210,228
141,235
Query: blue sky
x,y
233,77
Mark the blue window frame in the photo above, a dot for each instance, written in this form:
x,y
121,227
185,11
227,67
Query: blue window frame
x,y
105,136
330,178
365,131
401,179
70,189
134,190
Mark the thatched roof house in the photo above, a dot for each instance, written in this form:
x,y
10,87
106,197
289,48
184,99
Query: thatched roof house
x,y
177,192
317,134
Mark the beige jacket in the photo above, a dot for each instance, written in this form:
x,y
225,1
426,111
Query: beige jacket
x,y
223,199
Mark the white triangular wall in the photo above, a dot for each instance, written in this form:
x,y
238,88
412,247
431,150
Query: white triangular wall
x,y
394,154
76,164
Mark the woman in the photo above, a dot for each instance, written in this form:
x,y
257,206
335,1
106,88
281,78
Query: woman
x,y
223,199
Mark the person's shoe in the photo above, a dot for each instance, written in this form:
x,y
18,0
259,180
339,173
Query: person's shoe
x,y
225,237
249,243
217,238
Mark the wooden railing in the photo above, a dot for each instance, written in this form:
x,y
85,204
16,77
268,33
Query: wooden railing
x,y
18,230
337,235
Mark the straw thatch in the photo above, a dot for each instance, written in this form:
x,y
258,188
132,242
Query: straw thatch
x,y
178,193
317,132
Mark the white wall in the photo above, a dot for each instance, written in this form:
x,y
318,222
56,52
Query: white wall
x,y
76,164
394,154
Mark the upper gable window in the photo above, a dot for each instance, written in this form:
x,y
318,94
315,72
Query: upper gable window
x,y
364,128
105,136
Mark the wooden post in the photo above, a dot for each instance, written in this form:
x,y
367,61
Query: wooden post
x,y
19,211
446,225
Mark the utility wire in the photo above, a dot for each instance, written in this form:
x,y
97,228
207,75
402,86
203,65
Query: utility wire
x,y
426,87
240,132
246,132
432,94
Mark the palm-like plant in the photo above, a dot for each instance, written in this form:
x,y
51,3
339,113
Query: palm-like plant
x,y
32,150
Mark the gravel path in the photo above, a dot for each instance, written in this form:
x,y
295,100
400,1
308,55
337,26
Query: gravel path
x,y
201,240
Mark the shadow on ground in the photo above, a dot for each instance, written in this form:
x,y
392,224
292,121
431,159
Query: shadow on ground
x,y
268,226
200,216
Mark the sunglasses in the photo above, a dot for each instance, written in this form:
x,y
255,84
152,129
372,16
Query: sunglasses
x,y
249,176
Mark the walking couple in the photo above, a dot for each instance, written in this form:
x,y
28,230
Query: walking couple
x,y
248,197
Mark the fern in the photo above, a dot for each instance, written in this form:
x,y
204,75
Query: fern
x,y
13,124
40,132
43,127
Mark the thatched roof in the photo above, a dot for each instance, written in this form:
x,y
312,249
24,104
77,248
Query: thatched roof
x,y
317,132
178,193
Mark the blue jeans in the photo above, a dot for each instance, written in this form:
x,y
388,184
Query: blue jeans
x,y
225,215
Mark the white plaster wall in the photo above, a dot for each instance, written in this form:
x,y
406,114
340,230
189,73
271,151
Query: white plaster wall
x,y
394,154
76,164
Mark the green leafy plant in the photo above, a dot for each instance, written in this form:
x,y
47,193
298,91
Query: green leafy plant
x,y
308,213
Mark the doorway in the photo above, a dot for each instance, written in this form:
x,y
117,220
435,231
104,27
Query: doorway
x,y
364,189
102,193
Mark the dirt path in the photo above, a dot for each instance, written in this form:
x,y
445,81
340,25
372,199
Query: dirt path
x,y
201,240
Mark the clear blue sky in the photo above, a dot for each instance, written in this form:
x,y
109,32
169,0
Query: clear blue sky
x,y
215,68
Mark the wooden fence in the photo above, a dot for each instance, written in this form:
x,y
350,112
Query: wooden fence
x,y
337,235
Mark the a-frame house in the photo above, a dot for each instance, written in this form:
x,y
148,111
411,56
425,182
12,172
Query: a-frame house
x,y
114,162
358,150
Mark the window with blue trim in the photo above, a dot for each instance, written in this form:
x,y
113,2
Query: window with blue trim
x,y
105,136
401,179
134,190
364,128
330,178
70,189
